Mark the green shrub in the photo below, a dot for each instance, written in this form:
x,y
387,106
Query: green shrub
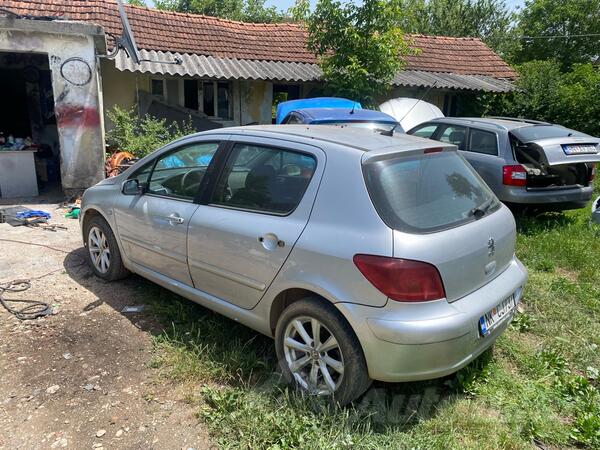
x,y
142,135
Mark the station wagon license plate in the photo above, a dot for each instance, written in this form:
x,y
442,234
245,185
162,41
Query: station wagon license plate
x,y
580,149
496,315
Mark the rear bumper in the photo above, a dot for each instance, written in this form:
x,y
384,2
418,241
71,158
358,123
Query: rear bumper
x,y
576,196
408,342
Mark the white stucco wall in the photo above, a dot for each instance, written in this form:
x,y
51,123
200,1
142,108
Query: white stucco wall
x,y
71,49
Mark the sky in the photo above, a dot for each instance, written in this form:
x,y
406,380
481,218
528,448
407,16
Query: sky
x,y
285,4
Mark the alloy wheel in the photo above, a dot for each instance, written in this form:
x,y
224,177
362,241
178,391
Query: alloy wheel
x,y
313,355
99,249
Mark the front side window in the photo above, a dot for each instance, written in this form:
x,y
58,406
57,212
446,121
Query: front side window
x,y
455,135
264,179
427,193
424,131
483,142
179,173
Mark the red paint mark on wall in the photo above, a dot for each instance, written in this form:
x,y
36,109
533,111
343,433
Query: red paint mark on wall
x,y
70,116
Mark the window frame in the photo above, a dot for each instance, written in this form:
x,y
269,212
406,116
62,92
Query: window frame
x,y
206,180
470,135
224,165
164,87
214,114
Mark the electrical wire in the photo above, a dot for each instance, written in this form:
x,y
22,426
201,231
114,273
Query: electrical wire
x,y
34,308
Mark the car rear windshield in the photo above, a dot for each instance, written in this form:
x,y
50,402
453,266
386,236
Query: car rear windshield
x,y
535,132
428,193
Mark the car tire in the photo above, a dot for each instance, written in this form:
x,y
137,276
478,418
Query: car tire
x,y
103,252
354,380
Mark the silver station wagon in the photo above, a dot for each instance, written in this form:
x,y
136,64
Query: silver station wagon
x,y
366,257
525,162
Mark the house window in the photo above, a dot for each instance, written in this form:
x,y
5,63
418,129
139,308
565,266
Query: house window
x,y
190,94
208,97
158,87
216,99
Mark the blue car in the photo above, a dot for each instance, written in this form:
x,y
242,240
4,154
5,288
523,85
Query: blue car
x,y
334,111
284,108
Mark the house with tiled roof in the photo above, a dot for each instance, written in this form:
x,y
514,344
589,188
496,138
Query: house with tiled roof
x,y
224,72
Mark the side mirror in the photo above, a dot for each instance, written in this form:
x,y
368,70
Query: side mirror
x,y
132,187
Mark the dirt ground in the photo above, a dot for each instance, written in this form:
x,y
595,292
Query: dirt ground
x,y
80,378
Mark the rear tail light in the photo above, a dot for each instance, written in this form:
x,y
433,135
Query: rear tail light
x,y
591,172
403,280
514,175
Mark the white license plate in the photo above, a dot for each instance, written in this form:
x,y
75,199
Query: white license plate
x,y
580,149
496,315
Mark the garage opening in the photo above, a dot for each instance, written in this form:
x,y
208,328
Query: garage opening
x,y
29,142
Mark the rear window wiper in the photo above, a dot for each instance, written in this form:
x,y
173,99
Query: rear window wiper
x,y
479,211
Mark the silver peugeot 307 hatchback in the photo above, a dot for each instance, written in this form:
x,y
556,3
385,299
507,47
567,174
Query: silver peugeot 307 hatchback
x,y
366,257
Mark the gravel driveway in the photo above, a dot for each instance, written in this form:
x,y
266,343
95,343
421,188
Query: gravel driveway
x,y
80,378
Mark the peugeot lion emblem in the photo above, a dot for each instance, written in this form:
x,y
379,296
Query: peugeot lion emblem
x,y
491,247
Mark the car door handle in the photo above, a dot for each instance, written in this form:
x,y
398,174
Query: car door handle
x,y
175,218
270,241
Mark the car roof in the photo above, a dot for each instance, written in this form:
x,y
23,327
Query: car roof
x,y
497,123
284,108
354,139
346,115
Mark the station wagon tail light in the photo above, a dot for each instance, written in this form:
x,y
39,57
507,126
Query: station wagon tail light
x,y
403,280
514,175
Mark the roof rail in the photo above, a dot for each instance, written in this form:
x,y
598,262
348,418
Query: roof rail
x,y
515,119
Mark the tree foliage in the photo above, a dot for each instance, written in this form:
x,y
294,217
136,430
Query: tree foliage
x,y
242,10
137,2
360,47
569,19
546,93
489,20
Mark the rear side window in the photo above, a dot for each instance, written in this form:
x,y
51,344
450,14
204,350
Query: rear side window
x,y
427,193
454,134
292,119
264,179
483,142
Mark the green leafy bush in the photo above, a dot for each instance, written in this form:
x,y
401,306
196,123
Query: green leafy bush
x,y
142,135
545,93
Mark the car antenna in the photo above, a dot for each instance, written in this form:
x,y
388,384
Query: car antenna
x,y
353,106
417,102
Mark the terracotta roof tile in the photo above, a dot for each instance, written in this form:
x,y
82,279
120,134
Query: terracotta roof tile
x,y
210,36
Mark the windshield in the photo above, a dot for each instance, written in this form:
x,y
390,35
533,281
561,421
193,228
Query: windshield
x,y
535,132
428,193
372,125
